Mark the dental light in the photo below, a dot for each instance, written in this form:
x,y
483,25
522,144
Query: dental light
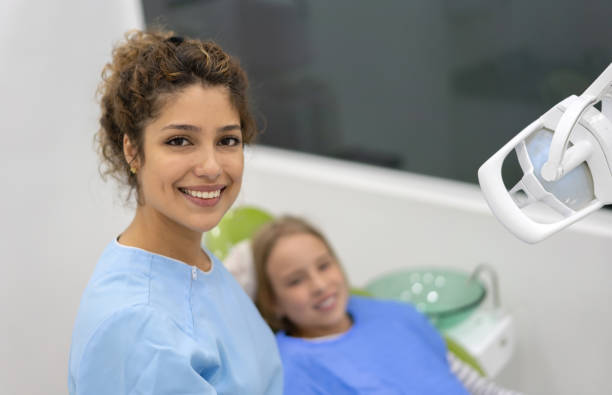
x,y
566,158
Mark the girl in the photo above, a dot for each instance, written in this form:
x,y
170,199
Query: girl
x,y
160,315
333,343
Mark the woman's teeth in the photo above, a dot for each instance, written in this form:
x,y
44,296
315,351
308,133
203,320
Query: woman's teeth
x,y
203,195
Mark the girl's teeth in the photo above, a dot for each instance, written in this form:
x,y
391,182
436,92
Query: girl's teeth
x,y
327,302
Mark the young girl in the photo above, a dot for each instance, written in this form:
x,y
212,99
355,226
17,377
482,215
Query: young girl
x,y
160,315
334,343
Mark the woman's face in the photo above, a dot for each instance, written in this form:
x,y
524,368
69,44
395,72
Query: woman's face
x,y
309,285
193,163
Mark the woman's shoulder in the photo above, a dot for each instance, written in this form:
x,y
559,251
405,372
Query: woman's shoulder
x,y
117,296
119,282
130,335
129,322
118,328
117,258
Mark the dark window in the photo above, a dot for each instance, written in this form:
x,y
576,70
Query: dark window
x,y
431,86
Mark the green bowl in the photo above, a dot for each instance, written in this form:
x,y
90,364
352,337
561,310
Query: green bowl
x,y
446,296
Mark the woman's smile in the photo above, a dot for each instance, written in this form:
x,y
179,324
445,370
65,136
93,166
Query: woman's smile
x,y
205,196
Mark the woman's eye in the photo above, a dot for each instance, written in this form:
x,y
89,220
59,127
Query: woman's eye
x,y
230,141
324,265
178,141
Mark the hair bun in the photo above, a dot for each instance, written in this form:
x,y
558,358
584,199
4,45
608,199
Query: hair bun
x,y
176,40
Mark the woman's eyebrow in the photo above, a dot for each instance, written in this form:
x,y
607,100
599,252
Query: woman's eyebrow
x,y
193,128
182,126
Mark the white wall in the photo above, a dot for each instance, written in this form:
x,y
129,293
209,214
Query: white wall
x,y
380,220
56,215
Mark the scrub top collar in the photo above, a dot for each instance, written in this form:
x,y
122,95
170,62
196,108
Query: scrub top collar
x,y
160,266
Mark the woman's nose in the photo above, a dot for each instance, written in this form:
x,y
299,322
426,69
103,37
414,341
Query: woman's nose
x,y
208,165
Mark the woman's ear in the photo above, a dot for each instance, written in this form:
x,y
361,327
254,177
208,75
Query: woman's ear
x,y
130,153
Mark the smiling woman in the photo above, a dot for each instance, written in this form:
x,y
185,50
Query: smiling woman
x,y
192,173
161,315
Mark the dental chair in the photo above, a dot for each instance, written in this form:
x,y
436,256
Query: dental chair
x,y
230,242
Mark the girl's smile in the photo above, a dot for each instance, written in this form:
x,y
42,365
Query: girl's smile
x,y
328,303
310,289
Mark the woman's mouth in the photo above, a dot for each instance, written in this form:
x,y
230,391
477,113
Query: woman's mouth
x,y
201,194
203,198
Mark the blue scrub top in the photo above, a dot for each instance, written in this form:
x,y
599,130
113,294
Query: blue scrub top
x,y
149,324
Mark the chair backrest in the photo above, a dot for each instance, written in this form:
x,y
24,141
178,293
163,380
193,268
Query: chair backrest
x,y
230,242
237,225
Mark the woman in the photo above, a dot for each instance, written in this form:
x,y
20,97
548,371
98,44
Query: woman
x,y
334,343
160,315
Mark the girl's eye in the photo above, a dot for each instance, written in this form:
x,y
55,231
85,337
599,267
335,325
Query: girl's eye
x,y
178,141
294,282
230,141
324,265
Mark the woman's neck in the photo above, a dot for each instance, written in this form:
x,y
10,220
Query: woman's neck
x,y
156,233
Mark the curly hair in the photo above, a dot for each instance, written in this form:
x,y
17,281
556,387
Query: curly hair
x,y
144,72
262,244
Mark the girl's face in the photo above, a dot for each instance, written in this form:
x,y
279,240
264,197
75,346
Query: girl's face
x,y
193,163
309,285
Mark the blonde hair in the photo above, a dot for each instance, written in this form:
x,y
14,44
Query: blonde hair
x,y
263,243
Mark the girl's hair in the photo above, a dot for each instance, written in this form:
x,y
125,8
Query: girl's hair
x,y
145,71
263,243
